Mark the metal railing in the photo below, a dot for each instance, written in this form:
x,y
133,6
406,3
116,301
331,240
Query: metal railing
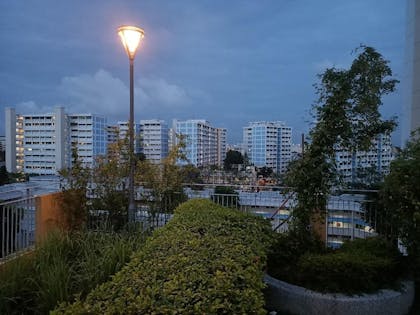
x,y
17,227
348,216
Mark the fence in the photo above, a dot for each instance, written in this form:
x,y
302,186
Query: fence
x,y
17,226
348,216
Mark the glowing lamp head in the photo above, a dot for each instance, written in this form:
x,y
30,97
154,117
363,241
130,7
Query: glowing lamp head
x,y
130,38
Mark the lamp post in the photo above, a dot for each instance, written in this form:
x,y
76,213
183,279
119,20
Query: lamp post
x,y
130,38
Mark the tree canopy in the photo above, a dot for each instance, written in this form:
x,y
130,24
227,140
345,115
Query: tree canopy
x,y
400,194
232,158
347,115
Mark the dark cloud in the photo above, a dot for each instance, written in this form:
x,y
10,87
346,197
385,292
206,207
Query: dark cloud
x,y
226,61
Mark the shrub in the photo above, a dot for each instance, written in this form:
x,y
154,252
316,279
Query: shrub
x,y
362,265
206,260
287,248
346,272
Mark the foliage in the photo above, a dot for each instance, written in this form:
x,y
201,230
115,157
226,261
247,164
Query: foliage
x,y
363,265
4,176
347,116
206,260
191,174
289,247
74,183
232,158
64,266
109,184
265,171
165,180
400,196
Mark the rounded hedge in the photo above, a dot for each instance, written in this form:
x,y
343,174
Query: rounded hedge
x,y
206,260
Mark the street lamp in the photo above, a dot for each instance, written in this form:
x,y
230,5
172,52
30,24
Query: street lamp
x,y
130,38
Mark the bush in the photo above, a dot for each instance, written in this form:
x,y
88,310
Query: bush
x,y
287,248
206,260
362,265
64,265
346,272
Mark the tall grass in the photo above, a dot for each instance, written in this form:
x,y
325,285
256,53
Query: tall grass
x,y
65,266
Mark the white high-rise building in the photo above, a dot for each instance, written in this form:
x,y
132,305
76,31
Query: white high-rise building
x,y
123,133
201,141
112,134
36,143
221,146
268,144
41,143
154,139
89,134
375,162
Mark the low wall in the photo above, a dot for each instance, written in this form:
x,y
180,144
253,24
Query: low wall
x,y
49,215
282,296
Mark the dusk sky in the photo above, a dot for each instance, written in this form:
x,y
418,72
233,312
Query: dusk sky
x,y
229,62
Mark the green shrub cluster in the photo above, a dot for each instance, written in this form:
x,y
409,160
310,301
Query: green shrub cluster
x,y
63,266
286,250
363,265
207,260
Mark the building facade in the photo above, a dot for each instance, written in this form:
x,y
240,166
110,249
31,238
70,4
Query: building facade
x,y
221,146
89,134
411,110
154,139
366,166
201,141
112,134
268,144
123,134
41,143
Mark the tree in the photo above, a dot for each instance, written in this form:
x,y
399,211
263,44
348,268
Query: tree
x,y
265,171
109,184
400,215
4,176
164,180
191,174
347,116
232,158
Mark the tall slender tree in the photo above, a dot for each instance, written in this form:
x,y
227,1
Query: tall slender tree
x,y
347,116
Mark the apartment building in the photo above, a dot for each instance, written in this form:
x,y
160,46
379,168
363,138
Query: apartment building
x,y
88,133
268,144
123,133
201,140
221,145
358,166
154,135
41,143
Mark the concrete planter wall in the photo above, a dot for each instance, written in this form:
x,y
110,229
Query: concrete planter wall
x,y
282,296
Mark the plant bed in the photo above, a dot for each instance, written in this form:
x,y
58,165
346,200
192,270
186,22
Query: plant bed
x,y
364,266
285,297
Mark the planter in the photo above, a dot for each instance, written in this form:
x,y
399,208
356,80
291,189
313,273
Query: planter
x,y
282,296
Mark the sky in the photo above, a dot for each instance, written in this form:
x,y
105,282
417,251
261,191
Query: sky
x,y
229,62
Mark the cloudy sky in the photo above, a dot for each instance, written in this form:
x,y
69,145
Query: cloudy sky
x,y
229,62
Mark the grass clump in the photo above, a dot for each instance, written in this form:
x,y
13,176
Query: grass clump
x,y
65,265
